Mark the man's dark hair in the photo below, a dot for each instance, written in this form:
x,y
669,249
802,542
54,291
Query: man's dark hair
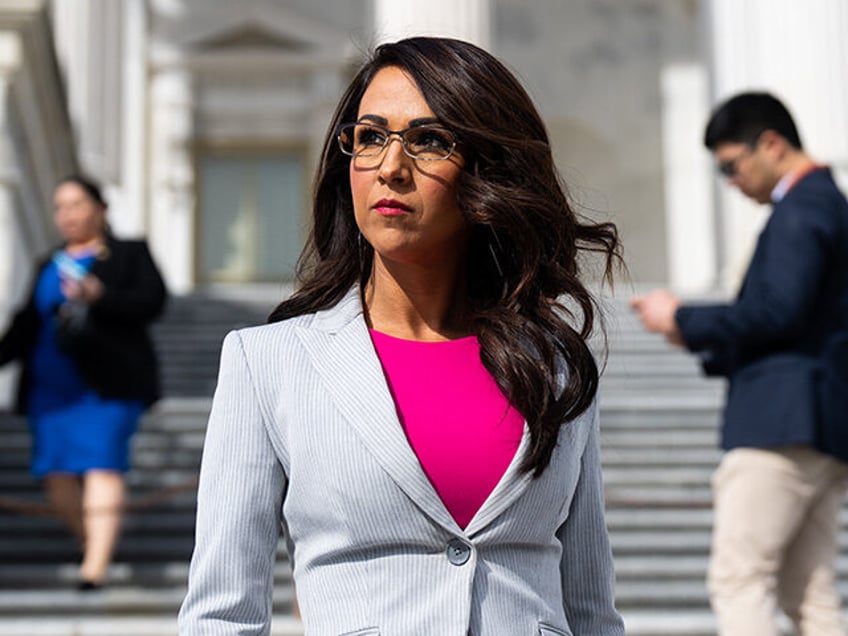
x,y
741,119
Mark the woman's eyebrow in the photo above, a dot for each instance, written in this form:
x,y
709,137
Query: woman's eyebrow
x,y
382,121
421,121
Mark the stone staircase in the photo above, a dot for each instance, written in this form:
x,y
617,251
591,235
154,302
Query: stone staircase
x,y
659,434
660,422
147,582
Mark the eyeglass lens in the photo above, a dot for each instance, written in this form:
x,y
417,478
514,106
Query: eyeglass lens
x,y
727,168
730,167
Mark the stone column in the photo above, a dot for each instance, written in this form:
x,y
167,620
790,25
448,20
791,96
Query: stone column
x,y
89,43
15,258
172,198
101,50
689,204
799,52
128,197
462,19
9,60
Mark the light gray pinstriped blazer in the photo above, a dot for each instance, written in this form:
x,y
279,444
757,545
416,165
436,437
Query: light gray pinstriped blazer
x,y
304,432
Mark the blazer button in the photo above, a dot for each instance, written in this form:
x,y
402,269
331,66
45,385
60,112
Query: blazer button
x,y
458,552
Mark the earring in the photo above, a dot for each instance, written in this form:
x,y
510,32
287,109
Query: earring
x,y
361,248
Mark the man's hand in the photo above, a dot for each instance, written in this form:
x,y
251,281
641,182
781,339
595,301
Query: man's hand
x,y
656,311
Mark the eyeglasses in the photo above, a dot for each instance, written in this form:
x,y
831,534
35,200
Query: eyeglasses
x,y
730,167
426,142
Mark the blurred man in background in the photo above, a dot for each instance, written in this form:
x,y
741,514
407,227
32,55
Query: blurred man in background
x,y
781,343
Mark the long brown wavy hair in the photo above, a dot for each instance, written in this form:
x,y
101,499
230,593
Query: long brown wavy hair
x,y
528,307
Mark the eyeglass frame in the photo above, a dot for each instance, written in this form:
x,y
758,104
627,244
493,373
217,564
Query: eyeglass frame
x,y
730,168
400,135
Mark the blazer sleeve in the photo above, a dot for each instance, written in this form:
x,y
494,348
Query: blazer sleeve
x,y
780,291
588,578
22,332
140,297
238,511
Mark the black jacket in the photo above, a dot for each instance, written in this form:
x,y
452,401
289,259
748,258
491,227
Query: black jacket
x,y
114,354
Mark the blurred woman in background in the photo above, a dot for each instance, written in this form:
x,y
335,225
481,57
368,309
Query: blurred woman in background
x,y
89,368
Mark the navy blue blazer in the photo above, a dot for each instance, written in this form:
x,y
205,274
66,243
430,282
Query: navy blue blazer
x,y
781,343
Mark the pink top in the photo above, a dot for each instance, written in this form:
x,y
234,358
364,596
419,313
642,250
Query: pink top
x,y
458,422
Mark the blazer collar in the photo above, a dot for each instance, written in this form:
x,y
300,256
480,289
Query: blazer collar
x,y
340,347
336,318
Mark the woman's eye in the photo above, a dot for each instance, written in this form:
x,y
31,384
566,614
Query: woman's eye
x,y
367,137
430,139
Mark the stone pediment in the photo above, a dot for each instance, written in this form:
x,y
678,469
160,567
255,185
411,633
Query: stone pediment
x,y
253,36
227,37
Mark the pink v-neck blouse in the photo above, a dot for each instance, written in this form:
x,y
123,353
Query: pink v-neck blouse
x,y
459,424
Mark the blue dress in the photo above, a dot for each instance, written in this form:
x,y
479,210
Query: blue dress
x,y
73,429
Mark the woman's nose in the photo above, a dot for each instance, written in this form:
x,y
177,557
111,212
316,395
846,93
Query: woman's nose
x,y
395,163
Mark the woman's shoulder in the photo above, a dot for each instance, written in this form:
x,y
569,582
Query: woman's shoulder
x,y
262,340
126,245
271,332
269,350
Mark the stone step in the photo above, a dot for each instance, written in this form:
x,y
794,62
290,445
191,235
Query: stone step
x,y
670,497
134,548
155,520
660,519
692,568
675,622
672,594
643,417
660,398
670,476
630,382
72,624
636,440
137,479
148,455
652,457
692,542
121,575
111,601
668,622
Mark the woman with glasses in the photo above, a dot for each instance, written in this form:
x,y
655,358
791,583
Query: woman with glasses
x,y
420,416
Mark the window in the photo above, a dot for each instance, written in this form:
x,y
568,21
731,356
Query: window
x,y
251,217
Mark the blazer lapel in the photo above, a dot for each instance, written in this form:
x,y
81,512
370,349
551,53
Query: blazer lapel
x,y
510,487
341,350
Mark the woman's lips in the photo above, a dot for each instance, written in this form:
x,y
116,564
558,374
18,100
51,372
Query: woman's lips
x,y
390,207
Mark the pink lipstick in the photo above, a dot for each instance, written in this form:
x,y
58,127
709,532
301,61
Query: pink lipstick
x,y
391,207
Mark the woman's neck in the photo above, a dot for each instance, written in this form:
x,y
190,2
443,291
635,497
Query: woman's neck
x,y
415,304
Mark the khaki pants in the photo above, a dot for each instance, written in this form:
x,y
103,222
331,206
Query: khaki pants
x,y
775,541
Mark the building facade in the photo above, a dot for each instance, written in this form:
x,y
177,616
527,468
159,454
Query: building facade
x,y
205,118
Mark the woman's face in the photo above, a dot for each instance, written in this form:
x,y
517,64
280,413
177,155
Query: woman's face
x,y
406,208
78,217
